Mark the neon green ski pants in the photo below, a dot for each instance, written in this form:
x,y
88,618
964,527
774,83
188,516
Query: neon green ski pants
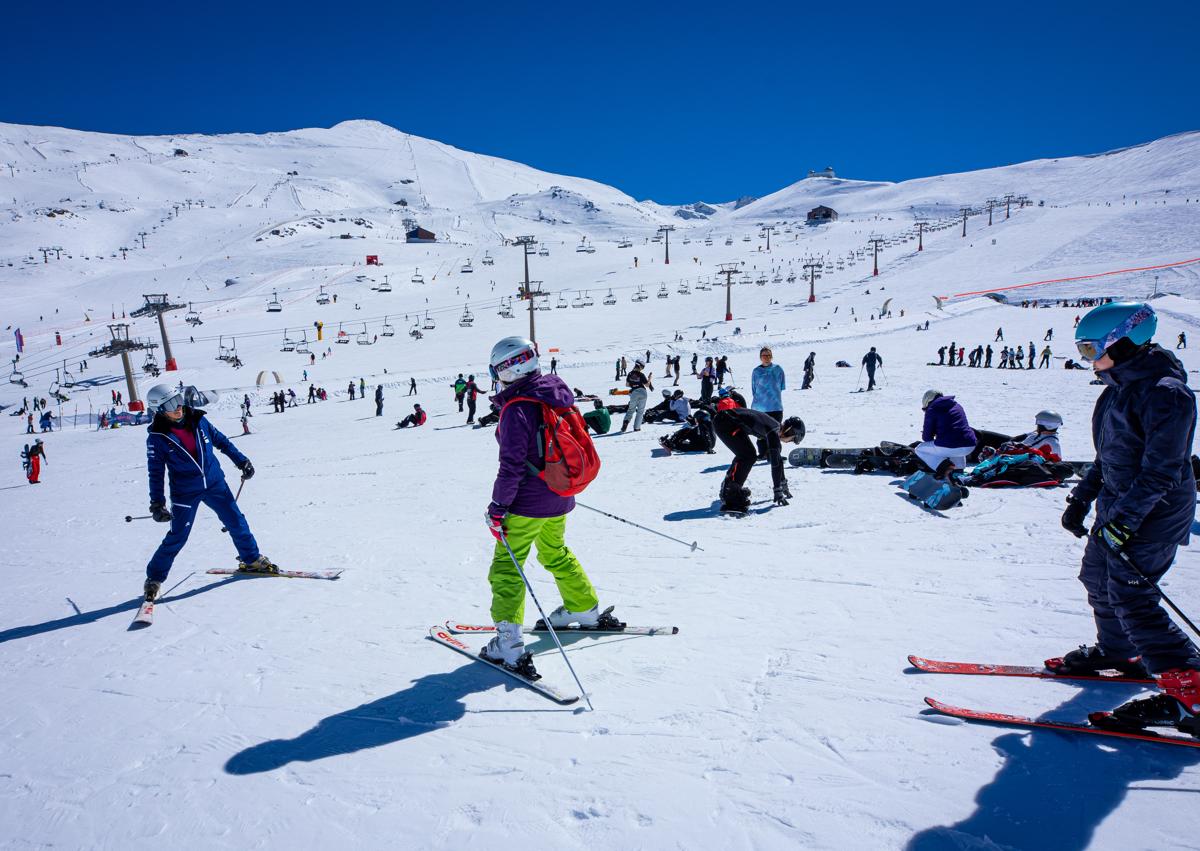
x,y
508,591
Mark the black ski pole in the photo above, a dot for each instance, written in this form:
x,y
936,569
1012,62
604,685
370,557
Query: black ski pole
x,y
130,519
694,546
235,499
1157,588
860,372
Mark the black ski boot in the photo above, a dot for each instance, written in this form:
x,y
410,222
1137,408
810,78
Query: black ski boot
x,y
1177,707
150,590
734,500
1090,660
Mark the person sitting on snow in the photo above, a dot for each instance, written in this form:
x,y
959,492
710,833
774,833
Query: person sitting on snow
x,y
416,418
947,437
697,437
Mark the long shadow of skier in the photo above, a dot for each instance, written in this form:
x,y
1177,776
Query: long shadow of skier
x,y
97,614
432,703
1055,789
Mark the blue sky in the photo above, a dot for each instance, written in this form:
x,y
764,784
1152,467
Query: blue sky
x,y
671,101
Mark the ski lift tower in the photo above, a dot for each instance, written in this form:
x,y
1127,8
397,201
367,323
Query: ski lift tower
x,y
156,305
527,290
665,230
877,241
813,268
965,211
122,345
728,270
921,223
767,231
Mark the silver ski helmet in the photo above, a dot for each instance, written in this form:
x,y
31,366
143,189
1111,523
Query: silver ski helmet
x,y
1048,420
513,358
928,398
163,399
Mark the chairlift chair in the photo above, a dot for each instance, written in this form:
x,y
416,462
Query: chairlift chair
x,y
543,252
591,249
415,332
703,284
289,344
640,295
588,301
222,349
342,337
581,248
322,296
778,279
192,317
363,338
506,310
387,330
684,289
708,240
429,323
466,267
662,291
578,301
761,280
746,238
562,302
488,259
385,286
417,278
745,278
625,243
542,302
467,318
16,376
273,306
687,240
729,240
610,299
302,345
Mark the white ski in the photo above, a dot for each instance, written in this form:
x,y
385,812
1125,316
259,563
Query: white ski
x,y
458,628
283,574
442,636
144,616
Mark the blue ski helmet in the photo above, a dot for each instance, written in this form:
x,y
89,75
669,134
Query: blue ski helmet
x,y
1105,325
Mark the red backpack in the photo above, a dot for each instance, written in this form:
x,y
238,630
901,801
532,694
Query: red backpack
x,y
570,462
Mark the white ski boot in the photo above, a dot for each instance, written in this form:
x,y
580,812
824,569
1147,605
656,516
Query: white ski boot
x,y
507,648
560,618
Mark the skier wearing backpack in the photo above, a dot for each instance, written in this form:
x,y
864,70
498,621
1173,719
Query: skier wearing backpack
x,y
524,510
1145,492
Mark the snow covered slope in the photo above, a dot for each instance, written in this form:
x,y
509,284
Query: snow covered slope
x,y
272,713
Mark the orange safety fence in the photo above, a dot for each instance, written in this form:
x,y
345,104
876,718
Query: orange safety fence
x,y
1075,278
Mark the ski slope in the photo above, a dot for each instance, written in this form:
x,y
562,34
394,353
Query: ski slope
x,y
270,713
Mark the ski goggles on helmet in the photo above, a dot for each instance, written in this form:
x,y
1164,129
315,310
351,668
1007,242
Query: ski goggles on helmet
x,y
1093,350
519,358
171,404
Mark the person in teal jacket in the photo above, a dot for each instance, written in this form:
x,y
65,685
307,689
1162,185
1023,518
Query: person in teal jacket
x,y
767,383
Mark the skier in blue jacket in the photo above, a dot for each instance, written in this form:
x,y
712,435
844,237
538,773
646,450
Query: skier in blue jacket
x,y
181,442
1145,494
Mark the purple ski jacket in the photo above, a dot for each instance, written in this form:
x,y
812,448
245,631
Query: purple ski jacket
x,y
946,424
517,489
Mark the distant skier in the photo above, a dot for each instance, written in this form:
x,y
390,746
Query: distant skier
x,y
412,387
947,436
872,361
708,377
524,511
810,370
999,335
379,400
1182,343
738,428
37,456
362,387
416,418
351,390
472,395
1044,363
554,366
987,357
1048,336
639,385
180,442
460,389
1145,493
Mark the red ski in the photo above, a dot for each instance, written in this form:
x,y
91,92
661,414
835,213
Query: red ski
x,y
933,666
1115,732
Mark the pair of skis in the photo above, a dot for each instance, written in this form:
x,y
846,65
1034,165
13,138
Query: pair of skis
x,y
447,635
145,612
1099,723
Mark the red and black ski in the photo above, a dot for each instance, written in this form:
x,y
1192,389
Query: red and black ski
x,y
933,666
1180,739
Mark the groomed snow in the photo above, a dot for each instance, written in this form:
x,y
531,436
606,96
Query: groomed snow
x,y
260,713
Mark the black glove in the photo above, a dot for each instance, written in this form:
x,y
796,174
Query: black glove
x,y
1115,535
247,469
159,512
1072,518
781,495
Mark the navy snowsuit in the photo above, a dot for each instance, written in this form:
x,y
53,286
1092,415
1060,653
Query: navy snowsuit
x,y
193,481
1142,427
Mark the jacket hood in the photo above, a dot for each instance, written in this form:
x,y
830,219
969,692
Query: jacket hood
x,y
545,388
1155,362
942,402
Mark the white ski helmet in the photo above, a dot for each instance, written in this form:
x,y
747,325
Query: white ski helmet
x,y
1048,419
163,398
928,398
512,358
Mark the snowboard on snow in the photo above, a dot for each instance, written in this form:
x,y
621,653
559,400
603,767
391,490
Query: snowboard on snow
x,y
933,493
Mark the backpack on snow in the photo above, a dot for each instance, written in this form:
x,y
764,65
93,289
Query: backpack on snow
x,y
569,458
